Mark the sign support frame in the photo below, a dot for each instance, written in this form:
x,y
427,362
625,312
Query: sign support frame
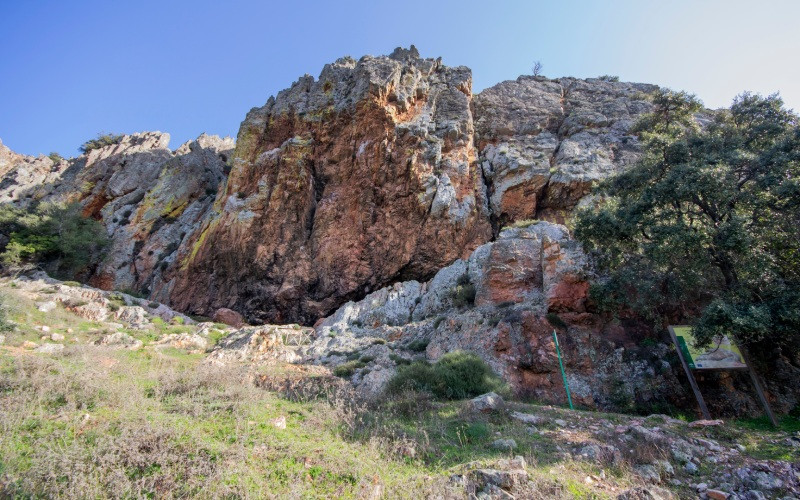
x,y
696,389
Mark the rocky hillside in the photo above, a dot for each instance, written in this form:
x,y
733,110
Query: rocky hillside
x,y
381,170
397,211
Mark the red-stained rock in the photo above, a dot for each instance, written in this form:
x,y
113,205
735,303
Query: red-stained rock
x,y
228,316
341,186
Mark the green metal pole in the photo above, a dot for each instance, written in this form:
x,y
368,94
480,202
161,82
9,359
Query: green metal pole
x,y
563,373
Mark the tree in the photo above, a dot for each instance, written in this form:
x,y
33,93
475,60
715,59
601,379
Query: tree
x,y
706,225
56,236
537,68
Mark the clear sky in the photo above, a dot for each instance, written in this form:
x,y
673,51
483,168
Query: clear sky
x,y
70,69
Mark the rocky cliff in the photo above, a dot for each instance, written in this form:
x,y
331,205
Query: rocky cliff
x,y
382,170
377,195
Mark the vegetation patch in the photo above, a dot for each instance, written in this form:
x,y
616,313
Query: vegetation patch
x,y
456,375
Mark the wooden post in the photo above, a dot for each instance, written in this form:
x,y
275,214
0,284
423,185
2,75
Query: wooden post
x,y
690,376
757,385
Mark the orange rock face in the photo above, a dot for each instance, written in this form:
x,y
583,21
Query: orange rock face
x,y
341,186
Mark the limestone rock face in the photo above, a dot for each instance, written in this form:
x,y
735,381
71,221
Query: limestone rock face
x,y
543,142
340,186
501,303
148,197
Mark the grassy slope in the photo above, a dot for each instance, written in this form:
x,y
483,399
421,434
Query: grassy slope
x,y
94,422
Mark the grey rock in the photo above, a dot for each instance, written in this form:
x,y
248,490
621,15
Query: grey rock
x,y
46,306
646,493
120,340
50,348
504,444
486,402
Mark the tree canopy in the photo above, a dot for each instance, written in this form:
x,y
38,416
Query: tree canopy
x,y
706,225
56,236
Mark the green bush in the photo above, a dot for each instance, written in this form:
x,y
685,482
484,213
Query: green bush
x,y
101,141
463,294
418,345
456,375
56,236
348,369
57,158
555,320
608,78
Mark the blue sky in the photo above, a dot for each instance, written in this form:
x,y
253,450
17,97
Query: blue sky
x,y
69,70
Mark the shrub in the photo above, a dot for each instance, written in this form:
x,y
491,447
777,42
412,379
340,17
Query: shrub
x,y
608,78
399,359
153,305
522,224
463,294
56,236
556,320
57,158
456,375
418,345
438,321
101,141
349,368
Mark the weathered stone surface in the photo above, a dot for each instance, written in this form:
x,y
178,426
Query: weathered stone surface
x,y
228,317
341,186
543,142
486,402
120,340
521,281
261,344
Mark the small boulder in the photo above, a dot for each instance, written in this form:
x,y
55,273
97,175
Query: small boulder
x,y
56,337
2,339
504,444
135,316
504,479
120,340
706,423
50,348
527,418
717,495
646,493
228,316
46,306
279,423
45,329
190,342
486,403
29,345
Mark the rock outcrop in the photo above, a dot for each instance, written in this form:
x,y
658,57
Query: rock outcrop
x,y
149,198
340,186
382,170
503,303
544,142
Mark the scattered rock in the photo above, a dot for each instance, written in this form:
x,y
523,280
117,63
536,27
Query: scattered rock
x,y
46,306
706,423
717,495
486,403
190,342
120,340
279,423
45,328
2,339
647,493
504,444
135,316
228,316
29,345
503,479
527,418
56,337
50,348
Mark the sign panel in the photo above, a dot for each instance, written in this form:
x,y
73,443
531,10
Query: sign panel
x,y
722,354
